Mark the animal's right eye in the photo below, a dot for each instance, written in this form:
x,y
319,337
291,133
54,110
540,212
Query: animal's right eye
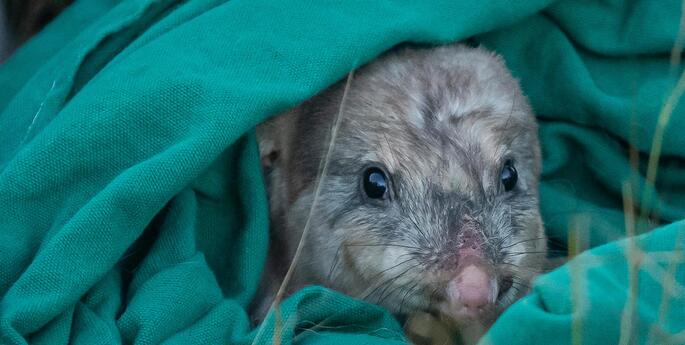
x,y
509,176
375,183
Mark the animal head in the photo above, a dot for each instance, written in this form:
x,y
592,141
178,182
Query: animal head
x,y
430,197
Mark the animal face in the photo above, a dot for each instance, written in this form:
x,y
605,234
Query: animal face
x,y
430,200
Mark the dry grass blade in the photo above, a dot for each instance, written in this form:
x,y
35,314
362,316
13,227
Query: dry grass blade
x,y
666,291
323,171
662,121
577,243
677,50
35,117
664,118
634,257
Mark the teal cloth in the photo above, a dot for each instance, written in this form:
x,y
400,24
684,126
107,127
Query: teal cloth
x,y
132,208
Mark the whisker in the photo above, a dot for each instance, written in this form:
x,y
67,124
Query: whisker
x,y
337,252
335,262
406,294
392,267
392,280
524,241
520,283
383,245
529,269
432,295
418,228
551,251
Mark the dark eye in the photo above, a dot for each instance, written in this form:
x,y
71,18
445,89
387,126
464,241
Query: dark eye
x,y
375,183
509,176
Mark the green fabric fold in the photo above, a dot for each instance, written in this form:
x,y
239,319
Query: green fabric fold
x,y
132,207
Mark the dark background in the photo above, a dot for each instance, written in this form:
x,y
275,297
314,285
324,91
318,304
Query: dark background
x,y
23,19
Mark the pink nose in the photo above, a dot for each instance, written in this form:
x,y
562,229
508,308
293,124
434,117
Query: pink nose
x,y
473,288
474,298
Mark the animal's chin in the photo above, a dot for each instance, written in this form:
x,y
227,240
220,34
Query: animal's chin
x,y
444,324
459,316
451,314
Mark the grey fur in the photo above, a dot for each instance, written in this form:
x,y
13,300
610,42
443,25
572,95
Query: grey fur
x,y
442,122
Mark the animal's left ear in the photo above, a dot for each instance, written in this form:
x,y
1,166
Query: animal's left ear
x,y
268,153
270,136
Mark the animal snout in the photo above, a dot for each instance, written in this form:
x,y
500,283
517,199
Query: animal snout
x,y
469,230
474,288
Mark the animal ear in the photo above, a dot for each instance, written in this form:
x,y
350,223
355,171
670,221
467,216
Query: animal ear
x,y
271,137
266,138
267,146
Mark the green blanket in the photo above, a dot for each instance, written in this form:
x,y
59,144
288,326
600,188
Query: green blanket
x,y
132,208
